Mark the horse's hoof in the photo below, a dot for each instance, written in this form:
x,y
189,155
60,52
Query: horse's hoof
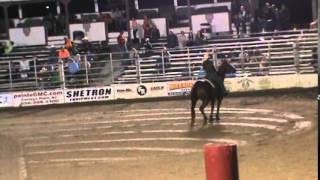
x,y
204,124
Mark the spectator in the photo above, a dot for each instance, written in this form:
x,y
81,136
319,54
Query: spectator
x,y
199,39
172,40
68,44
122,42
284,18
73,66
24,67
243,17
268,17
64,54
134,25
277,21
182,40
190,39
118,20
146,26
255,25
154,33
237,23
140,33
9,47
86,45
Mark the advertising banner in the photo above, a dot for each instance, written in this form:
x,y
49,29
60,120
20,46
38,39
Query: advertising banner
x,y
36,98
132,91
31,36
94,31
5,100
180,88
89,94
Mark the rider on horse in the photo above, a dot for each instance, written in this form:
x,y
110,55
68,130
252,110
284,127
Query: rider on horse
x,y
212,74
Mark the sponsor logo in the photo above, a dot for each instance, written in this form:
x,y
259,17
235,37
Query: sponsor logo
x,y
245,83
142,90
180,85
88,92
37,94
157,88
83,95
37,98
124,90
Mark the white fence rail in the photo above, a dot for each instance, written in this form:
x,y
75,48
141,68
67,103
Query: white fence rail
x,y
270,55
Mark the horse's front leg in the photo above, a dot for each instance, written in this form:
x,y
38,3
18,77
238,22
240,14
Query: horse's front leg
x,y
218,109
203,105
212,110
193,113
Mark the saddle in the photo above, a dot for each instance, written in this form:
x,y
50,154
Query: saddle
x,y
206,80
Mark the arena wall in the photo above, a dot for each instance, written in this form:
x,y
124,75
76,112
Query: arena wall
x,y
147,90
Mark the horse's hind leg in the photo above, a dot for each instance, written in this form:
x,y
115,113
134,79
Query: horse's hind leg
x,y
193,114
203,105
212,110
218,109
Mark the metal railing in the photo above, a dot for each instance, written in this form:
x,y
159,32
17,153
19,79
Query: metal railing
x,y
270,55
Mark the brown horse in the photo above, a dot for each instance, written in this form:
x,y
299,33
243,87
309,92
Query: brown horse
x,y
204,90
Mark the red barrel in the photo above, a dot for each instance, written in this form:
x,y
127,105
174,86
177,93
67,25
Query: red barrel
x,y
221,161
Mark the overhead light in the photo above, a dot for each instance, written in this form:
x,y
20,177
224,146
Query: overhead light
x,y
47,7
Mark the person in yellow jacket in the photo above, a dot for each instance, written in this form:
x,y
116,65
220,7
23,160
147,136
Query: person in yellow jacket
x,y
9,48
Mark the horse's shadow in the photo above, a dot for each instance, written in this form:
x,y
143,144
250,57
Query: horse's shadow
x,y
208,131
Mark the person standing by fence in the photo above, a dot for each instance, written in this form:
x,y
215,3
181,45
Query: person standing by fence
x,y
122,42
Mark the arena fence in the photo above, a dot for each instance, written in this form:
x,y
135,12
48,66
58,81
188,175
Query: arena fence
x,y
269,55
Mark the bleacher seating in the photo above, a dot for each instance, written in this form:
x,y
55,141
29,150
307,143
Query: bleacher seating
x,y
184,63
279,52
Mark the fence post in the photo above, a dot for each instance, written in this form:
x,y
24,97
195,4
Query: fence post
x,y
86,66
242,59
62,76
10,74
111,66
189,63
163,71
35,70
137,61
269,56
296,56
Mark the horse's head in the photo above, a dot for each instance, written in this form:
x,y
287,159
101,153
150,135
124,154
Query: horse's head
x,y
225,68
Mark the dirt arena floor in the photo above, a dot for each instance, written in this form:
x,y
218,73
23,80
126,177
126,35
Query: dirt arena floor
x,y
276,135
